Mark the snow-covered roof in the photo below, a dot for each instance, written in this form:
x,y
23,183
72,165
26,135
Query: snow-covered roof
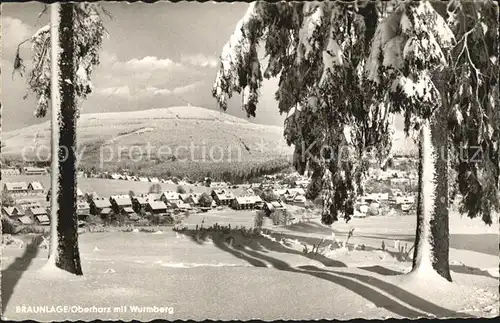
x,y
141,200
9,210
43,219
101,202
16,186
38,210
299,198
157,205
82,205
122,200
183,205
169,195
224,195
26,220
106,210
244,200
36,186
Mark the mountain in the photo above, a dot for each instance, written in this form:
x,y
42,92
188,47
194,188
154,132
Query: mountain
x,y
162,139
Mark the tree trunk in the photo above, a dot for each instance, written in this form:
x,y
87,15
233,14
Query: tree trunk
x,y
55,114
432,234
65,251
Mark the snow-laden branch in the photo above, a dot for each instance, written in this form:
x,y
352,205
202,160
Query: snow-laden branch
x,y
239,63
89,31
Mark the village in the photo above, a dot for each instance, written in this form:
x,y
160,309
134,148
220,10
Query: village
x,y
28,202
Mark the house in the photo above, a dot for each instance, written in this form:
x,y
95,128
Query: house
x,y
299,200
405,199
99,206
288,199
156,207
26,220
154,180
23,207
35,187
89,196
12,211
192,199
258,202
105,212
34,171
182,206
119,202
243,203
16,188
222,197
10,171
170,197
127,211
270,207
82,209
406,207
152,196
39,215
143,179
139,203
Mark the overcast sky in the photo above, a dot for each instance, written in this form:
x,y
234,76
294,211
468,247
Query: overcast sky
x,y
156,56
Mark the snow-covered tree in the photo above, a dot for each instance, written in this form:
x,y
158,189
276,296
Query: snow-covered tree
x,y
318,50
64,55
440,64
346,68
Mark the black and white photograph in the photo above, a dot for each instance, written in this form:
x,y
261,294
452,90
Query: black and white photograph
x,y
250,160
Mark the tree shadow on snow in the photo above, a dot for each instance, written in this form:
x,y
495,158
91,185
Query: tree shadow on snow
x,y
12,274
254,252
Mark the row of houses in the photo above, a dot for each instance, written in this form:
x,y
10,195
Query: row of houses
x,y
163,203
296,196
23,188
10,171
27,213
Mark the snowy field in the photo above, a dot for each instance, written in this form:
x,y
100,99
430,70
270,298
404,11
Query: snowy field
x,y
267,277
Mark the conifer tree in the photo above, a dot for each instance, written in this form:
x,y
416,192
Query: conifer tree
x,y
64,55
345,69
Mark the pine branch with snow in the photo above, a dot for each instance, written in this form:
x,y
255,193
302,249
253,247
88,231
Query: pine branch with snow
x,y
88,41
475,117
318,52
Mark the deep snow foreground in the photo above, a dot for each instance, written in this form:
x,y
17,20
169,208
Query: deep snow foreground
x,y
268,277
